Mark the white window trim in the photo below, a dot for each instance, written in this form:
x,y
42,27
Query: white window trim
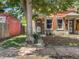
x,y
46,23
58,17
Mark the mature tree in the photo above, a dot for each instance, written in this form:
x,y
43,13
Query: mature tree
x,y
27,7
38,6
76,5
51,6
1,7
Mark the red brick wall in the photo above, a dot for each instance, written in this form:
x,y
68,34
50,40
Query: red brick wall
x,y
54,23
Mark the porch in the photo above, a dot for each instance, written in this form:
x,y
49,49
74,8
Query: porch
x,y
67,24
71,21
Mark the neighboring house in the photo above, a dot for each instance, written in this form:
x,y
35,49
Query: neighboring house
x,y
66,22
44,24
9,26
63,22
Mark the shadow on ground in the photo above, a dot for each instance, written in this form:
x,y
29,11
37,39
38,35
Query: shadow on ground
x,y
60,41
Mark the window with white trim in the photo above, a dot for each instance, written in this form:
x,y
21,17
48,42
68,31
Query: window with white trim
x,y
49,23
59,23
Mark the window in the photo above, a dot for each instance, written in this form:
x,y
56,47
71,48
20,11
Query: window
x,y
59,23
49,23
49,26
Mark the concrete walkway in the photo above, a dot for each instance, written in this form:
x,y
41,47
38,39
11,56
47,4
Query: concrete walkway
x,y
56,52
61,52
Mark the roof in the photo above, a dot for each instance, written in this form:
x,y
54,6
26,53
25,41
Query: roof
x,y
72,15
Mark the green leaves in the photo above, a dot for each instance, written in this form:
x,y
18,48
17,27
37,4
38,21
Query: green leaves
x,y
14,42
42,6
51,6
23,21
76,4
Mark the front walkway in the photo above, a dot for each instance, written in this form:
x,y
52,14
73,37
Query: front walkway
x,y
56,52
59,52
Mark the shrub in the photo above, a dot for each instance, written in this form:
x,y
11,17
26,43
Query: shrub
x,y
14,42
36,36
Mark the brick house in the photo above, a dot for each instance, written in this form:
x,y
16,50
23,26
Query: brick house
x,y
62,22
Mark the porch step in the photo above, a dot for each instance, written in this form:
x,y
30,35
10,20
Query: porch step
x,y
60,32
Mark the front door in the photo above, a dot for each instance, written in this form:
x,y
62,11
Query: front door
x,y
71,26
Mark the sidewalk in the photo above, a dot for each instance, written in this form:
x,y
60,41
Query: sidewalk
x,y
46,53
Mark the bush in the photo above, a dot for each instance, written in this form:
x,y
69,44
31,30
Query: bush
x,y
14,42
36,36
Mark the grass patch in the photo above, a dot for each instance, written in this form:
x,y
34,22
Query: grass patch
x,y
14,42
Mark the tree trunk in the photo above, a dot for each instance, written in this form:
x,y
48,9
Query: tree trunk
x,y
27,8
29,20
